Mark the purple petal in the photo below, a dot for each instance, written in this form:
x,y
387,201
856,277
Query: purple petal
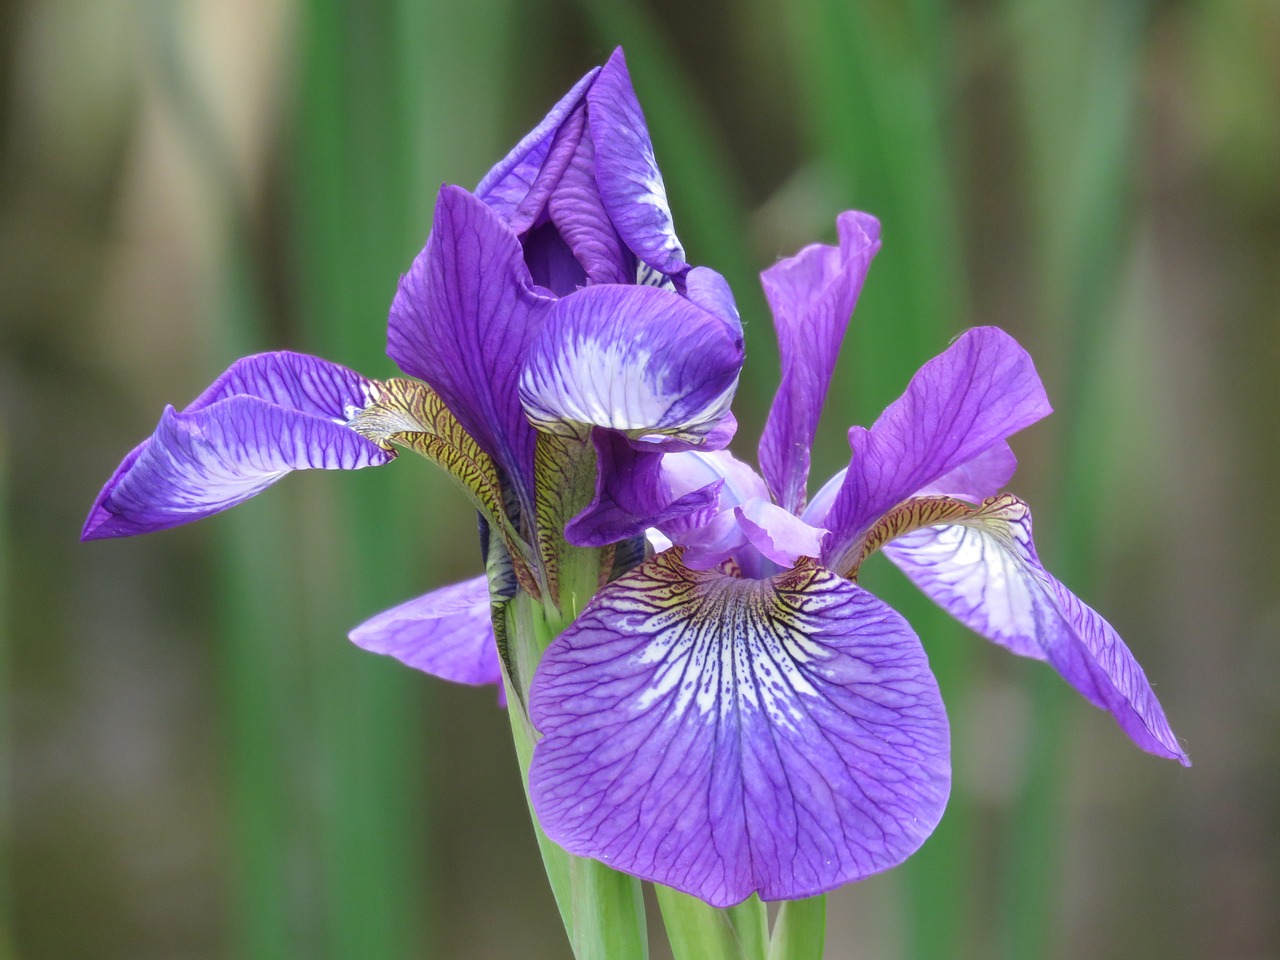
x,y
712,292
812,296
636,359
633,494
779,535
267,415
198,464
726,736
982,477
986,574
505,187
446,633
295,381
578,213
463,319
981,390
708,543
694,469
630,184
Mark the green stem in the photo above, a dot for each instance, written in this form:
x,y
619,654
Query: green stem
x,y
750,921
800,930
698,931
602,909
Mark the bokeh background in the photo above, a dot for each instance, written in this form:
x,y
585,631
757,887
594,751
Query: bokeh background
x,y
194,763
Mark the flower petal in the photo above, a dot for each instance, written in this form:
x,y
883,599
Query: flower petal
x,y
982,477
711,291
710,542
198,464
505,187
633,493
812,296
446,633
782,537
631,185
982,389
267,415
636,359
577,212
462,321
726,736
984,571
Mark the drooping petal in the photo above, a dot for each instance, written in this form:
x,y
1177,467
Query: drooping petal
x,y
726,736
812,296
636,359
267,415
463,319
978,392
505,187
633,493
295,381
631,185
985,572
446,633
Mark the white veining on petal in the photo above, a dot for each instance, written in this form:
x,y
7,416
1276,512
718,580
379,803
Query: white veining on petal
x,y
980,576
647,276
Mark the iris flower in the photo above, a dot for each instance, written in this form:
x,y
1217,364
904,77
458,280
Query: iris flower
x,y
733,714
736,715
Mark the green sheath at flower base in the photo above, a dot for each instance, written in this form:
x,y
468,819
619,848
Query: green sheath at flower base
x,y
699,931
602,909
564,472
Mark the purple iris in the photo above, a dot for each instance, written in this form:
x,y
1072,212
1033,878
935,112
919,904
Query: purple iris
x,y
736,715
553,300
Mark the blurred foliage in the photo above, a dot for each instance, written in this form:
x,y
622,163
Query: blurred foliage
x,y
194,763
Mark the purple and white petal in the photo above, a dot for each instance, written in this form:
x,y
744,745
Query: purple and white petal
x,y
812,296
727,737
505,187
204,461
639,360
633,493
985,573
446,633
980,391
463,319
631,186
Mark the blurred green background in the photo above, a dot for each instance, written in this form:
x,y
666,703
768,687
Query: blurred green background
x,y
194,763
